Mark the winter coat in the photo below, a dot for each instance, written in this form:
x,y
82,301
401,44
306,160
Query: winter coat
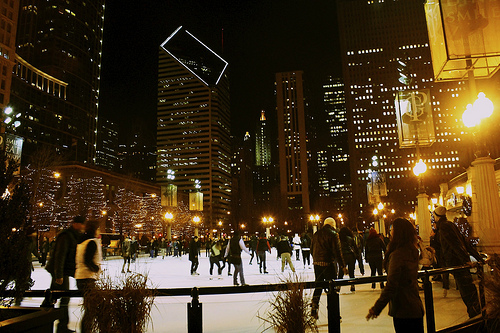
x,y
455,249
88,259
305,243
263,245
193,250
349,247
401,290
283,247
62,258
374,247
325,247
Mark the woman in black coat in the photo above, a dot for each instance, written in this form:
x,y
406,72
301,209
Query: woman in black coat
x,y
374,249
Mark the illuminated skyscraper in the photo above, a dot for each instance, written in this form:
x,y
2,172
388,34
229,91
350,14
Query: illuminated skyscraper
x,y
265,177
193,134
57,73
332,154
263,142
377,37
294,183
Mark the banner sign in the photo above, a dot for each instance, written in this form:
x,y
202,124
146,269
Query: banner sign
x,y
414,118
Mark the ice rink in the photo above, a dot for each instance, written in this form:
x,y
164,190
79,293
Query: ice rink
x,y
240,312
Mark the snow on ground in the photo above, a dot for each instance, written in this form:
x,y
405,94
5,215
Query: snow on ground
x,y
240,312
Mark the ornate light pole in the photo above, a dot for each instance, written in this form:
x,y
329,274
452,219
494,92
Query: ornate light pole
x,y
268,221
485,217
196,221
169,216
314,221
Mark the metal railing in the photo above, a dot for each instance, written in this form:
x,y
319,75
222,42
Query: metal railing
x,y
195,324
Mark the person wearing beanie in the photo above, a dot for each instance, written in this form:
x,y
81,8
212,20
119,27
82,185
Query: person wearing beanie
x,y
456,251
62,265
327,254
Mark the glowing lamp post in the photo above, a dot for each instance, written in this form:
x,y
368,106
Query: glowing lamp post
x,y
423,214
169,217
314,221
485,214
196,221
268,221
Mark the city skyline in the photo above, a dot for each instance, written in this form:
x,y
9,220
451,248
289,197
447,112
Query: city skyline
x,y
253,37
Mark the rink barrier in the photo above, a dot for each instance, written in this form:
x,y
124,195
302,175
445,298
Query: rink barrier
x,y
332,287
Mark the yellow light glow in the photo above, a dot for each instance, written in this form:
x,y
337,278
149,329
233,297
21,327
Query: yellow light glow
x,y
380,206
57,174
375,211
460,189
196,219
169,215
419,168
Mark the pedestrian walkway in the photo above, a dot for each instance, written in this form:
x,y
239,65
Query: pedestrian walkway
x,y
240,312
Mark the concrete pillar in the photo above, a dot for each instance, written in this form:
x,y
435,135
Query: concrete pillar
x,y
485,205
196,231
424,218
268,232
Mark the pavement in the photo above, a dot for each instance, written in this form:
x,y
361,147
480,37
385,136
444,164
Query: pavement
x,y
241,312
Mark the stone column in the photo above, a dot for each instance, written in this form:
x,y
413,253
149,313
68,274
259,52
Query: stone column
x,y
424,218
486,205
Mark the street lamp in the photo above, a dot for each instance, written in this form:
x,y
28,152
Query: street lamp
x,y
196,220
268,221
169,216
485,218
314,221
423,214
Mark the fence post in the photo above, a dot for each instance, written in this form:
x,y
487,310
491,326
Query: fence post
x,y
482,299
333,308
48,300
429,304
195,313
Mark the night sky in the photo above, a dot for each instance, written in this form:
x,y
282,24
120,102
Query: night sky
x,y
260,38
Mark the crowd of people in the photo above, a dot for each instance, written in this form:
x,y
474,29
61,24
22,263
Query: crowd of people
x,y
77,252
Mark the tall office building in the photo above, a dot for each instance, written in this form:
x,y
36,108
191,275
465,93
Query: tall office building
x,y
377,38
332,151
9,11
294,183
263,142
266,192
242,193
193,134
107,145
57,73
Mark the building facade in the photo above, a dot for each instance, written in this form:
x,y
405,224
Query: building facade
x,y
332,152
9,11
107,144
56,84
294,181
377,38
193,130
